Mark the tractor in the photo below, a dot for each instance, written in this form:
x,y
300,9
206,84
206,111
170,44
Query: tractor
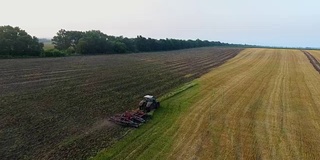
x,y
148,103
137,117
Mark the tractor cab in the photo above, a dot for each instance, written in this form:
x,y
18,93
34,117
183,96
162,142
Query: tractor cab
x,y
148,103
149,98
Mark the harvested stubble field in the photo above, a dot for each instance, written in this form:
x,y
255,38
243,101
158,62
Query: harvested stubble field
x,y
262,104
55,108
315,54
313,60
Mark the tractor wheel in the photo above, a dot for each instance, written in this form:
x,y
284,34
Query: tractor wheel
x,y
157,105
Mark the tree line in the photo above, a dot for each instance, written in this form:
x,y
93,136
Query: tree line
x,y
97,42
17,42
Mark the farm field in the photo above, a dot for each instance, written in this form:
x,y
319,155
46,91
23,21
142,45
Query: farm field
x,y
56,108
48,45
313,60
315,53
262,104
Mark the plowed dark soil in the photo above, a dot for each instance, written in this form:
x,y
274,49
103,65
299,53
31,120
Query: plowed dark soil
x,y
55,108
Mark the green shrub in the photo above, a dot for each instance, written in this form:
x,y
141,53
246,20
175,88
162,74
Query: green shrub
x,y
53,53
71,51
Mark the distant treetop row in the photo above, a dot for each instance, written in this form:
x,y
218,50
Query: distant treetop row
x,y
17,42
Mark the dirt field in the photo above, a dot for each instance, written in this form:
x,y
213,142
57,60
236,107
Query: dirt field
x,y
55,108
262,104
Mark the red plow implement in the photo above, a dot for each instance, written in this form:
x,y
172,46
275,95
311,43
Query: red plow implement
x,y
136,118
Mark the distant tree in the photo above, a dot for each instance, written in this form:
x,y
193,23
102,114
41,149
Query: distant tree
x,y
66,39
74,37
130,43
17,42
82,46
119,47
142,44
61,40
93,42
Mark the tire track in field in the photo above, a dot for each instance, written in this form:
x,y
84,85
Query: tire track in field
x,y
316,54
313,61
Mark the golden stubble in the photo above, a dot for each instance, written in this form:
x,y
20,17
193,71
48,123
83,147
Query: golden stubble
x,y
263,104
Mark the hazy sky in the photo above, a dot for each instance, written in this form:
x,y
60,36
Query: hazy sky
x,y
292,23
